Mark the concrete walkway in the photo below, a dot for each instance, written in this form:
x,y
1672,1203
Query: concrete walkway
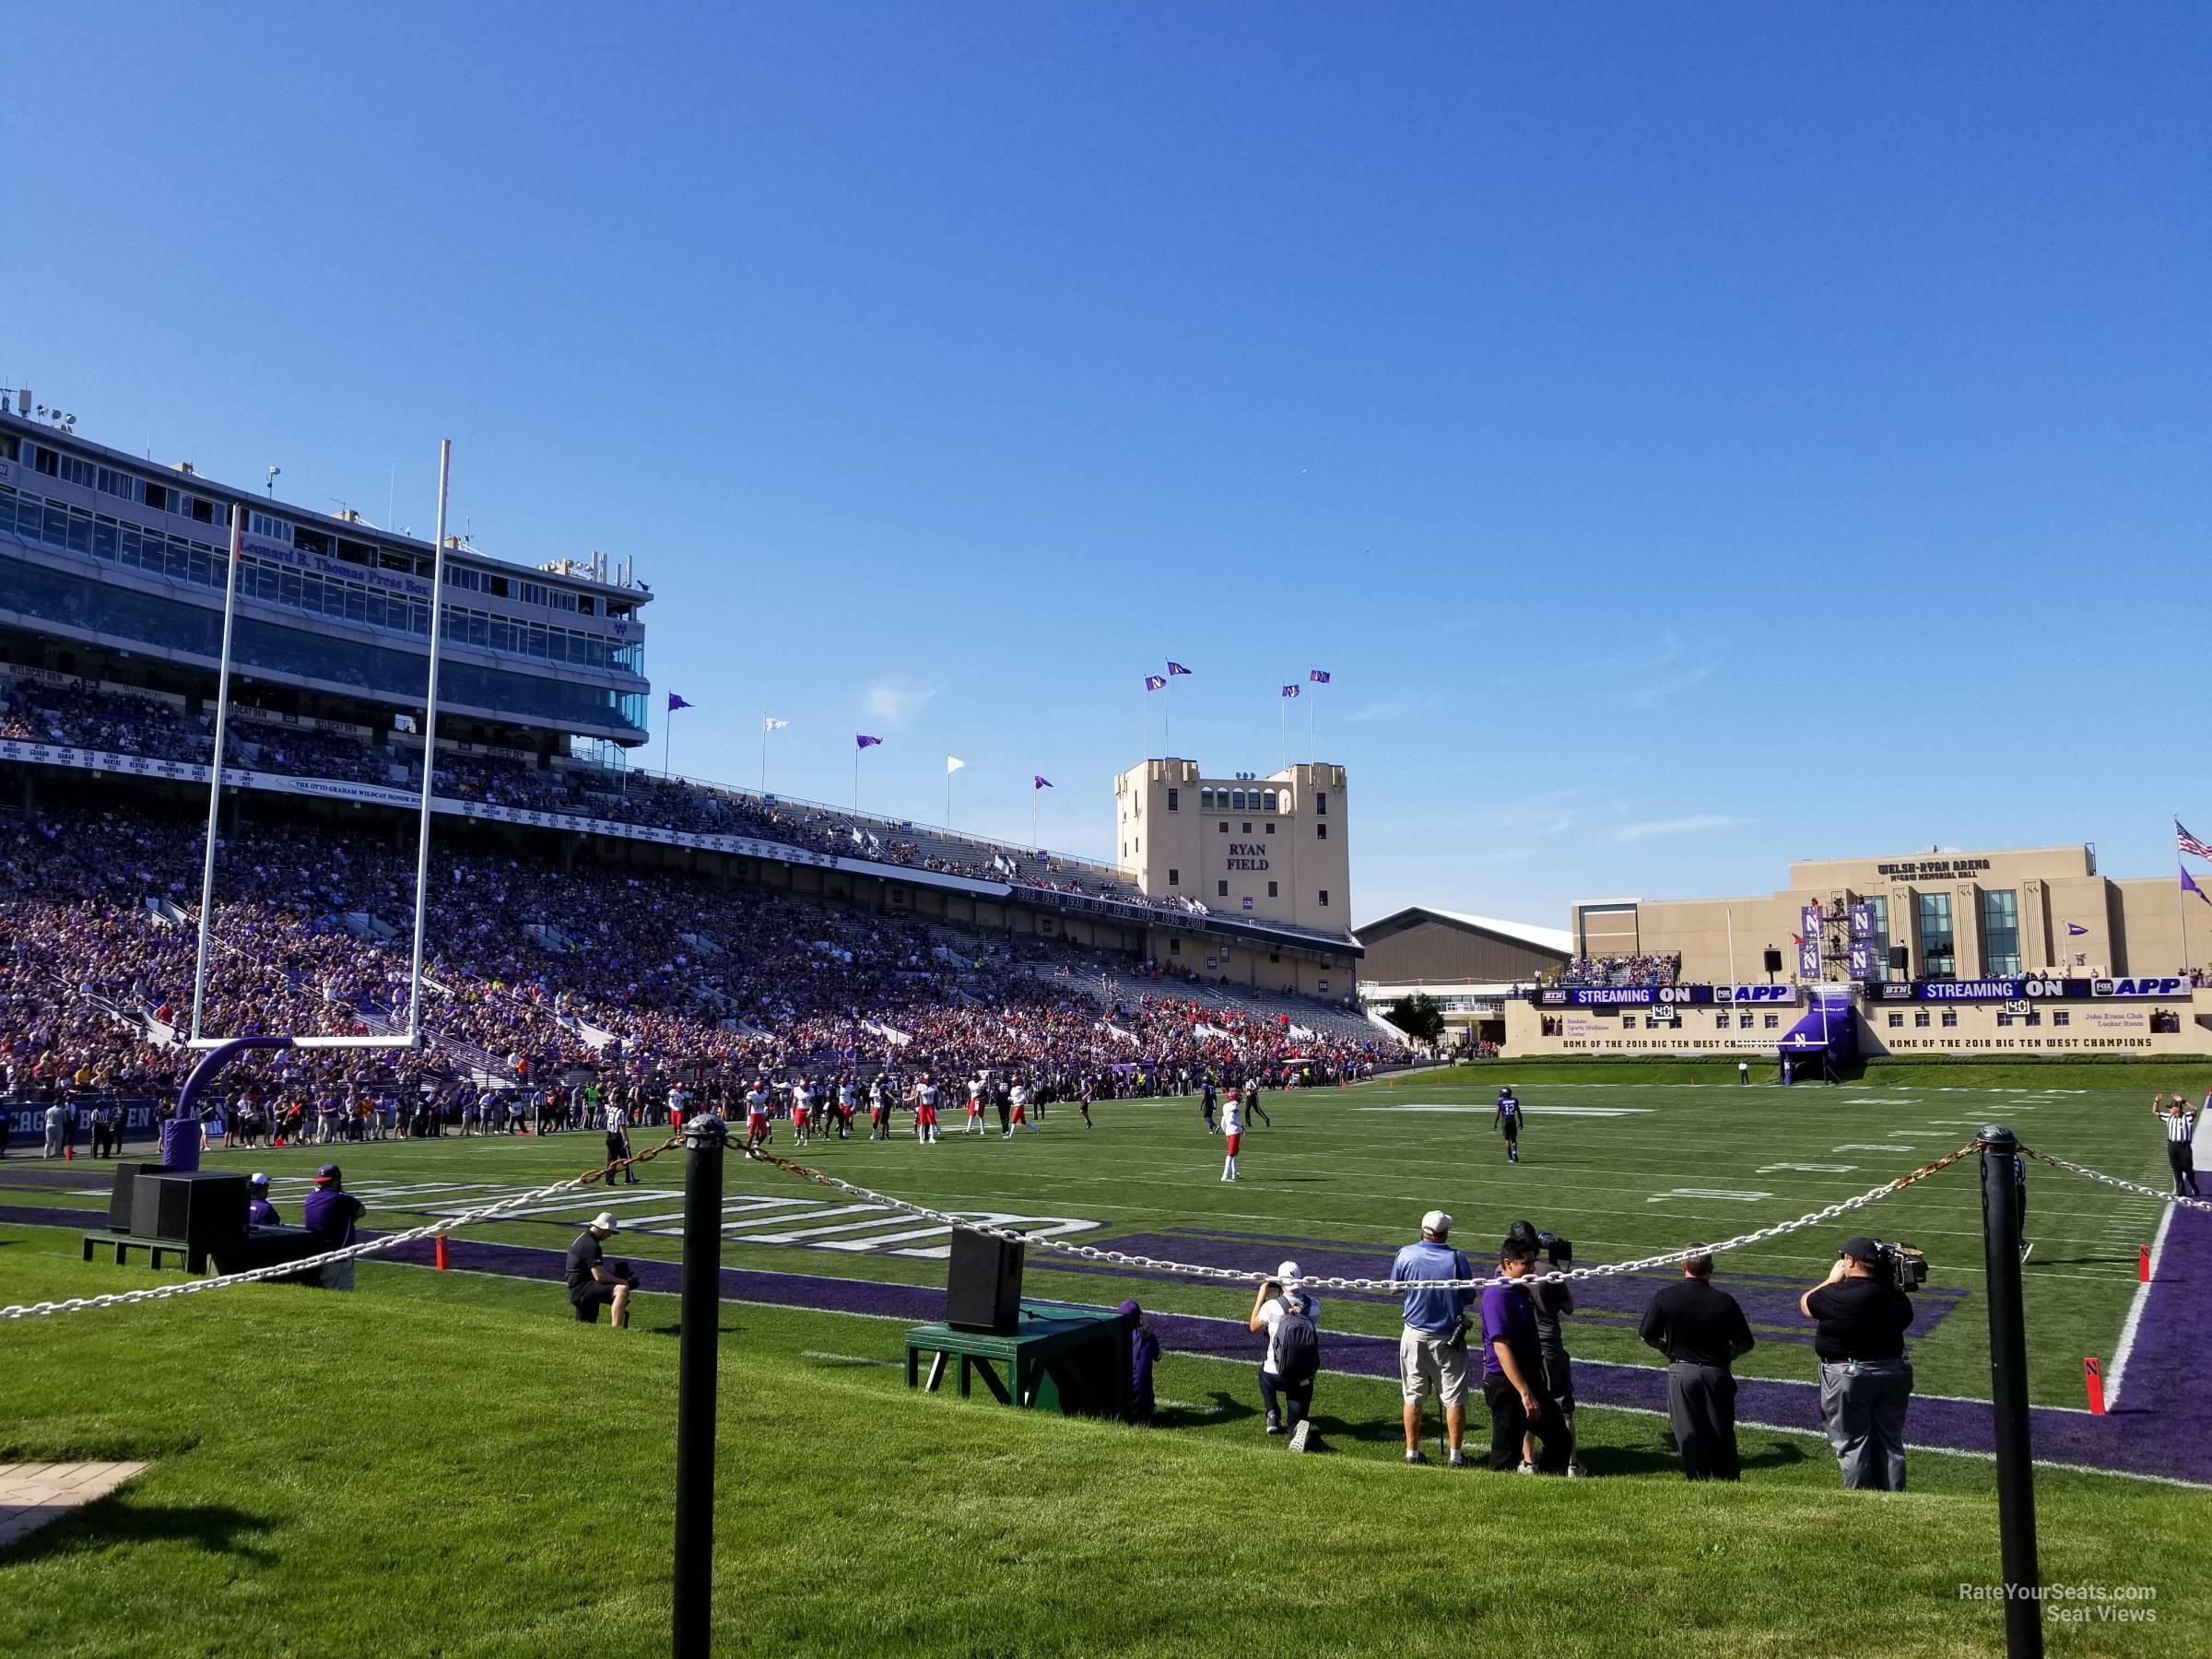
x,y
33,1494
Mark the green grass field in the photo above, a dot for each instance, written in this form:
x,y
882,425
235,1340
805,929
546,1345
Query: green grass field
x,y
449,1465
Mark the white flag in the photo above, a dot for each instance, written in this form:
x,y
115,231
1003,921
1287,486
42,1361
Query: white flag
x,y
952,764
769,723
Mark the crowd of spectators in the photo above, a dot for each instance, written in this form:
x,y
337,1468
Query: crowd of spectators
x,y
123,724
638,977
1620,969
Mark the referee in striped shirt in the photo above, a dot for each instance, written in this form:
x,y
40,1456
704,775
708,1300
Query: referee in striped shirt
x,y
2180,1125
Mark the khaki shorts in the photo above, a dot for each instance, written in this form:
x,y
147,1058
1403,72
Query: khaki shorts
x,y
1427,1362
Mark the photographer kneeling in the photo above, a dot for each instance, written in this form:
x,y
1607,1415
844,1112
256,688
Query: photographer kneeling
x,y
594,1283
1866,1381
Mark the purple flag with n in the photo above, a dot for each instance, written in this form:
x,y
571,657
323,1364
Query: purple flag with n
x,y
2190,886
1040,781
676,702
2074,930
1290,690
861,742
1153,682
1175,668
1320,676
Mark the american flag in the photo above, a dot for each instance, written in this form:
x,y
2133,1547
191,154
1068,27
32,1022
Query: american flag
x,y
2189,843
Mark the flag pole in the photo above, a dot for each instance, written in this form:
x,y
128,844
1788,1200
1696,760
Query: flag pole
x,y
764,752
856,777
2181,901
1167,718
948,798
1731,914
1312,754
1283,726
1032,818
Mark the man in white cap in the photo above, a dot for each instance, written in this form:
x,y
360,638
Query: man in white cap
x,y
1433,1347
1289,1315
591,1283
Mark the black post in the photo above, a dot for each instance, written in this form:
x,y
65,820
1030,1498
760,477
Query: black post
x,y
696,1370
2008,1394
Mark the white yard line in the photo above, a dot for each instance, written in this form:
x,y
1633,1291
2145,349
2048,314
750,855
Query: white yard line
x,y
2117,1375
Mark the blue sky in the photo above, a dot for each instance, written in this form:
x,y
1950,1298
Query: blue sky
x,y
1694,437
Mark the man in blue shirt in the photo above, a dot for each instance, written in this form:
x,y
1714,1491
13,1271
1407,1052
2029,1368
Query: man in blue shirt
x,y
329,1214
1433,1347
260,1212
1512,1373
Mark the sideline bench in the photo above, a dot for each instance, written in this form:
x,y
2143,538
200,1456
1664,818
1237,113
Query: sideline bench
x,y
1058,1358
194,1258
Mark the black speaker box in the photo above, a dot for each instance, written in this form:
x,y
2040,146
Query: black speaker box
x,y
982,1290
1774,962
200,1207
123,1199
1898,958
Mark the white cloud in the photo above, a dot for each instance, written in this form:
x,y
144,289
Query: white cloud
x,y
1403,705
1667,671
1691,825
894,702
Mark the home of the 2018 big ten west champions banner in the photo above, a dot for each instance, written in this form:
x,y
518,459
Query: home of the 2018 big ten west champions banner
x,y
2025,950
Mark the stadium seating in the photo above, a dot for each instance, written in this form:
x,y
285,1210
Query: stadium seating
x,y
664,971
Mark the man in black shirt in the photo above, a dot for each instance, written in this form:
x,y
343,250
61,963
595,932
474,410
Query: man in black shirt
x,y
591,1283
1701,1330
1866,1381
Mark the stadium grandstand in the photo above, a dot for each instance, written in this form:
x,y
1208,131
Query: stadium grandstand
x,y
582,914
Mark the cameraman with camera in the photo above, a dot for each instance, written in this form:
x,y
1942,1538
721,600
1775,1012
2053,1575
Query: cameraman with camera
x,y
1550,1302
1866,1380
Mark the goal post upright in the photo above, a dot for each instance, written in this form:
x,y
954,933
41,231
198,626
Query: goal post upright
x,y
430,750
219,1052
215,775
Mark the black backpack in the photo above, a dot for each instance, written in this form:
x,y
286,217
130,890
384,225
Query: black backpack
x,y
1297,1345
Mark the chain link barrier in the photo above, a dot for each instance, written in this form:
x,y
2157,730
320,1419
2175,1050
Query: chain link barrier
x,y
1097,1253
1093,1253
489,1212
2114,1180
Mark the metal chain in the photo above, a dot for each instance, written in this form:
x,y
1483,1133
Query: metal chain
x,y
1391,1286
489,1212
2114,1180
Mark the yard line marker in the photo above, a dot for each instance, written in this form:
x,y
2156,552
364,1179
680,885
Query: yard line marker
x,y
1806,1169
1869,1147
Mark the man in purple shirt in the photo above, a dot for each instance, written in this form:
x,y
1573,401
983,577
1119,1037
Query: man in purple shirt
x,y
260,1212
1513,1371
329,1214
